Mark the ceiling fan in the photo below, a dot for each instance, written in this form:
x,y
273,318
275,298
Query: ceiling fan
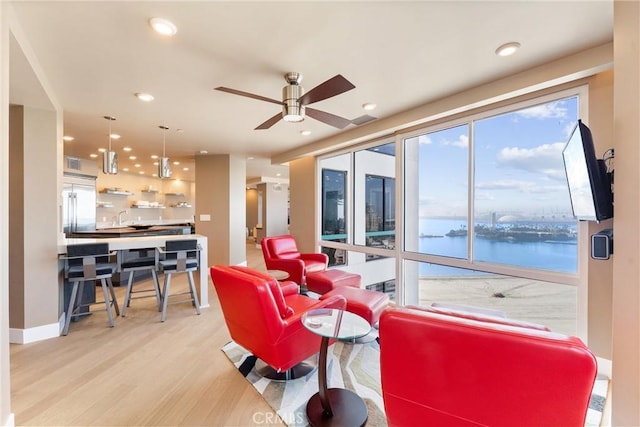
x,y
295,100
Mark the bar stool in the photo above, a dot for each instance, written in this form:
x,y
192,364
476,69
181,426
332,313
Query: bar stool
x,y
89,262
142,263
179,256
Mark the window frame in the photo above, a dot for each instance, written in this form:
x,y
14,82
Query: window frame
x,y
409,296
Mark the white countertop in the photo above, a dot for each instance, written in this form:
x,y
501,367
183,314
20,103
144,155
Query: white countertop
x,y
120,243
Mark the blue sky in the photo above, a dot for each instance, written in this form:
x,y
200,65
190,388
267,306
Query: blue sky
x,y
518,167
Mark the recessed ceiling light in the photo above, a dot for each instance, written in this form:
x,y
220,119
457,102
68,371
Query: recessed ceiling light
x,y
305,132
369,106
125,169
155,163
68,138
278,174
204,152
176,163
93,155
508,49
132,157
102,150
146,97
163,26
115,136
155,174
141,172
250,158
154,156
185,169
137,165
127,148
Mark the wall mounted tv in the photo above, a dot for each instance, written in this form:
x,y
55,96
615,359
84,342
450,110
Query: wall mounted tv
x,y
587,176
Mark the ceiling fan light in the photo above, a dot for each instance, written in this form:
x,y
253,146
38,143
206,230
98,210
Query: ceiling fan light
x,y
293,113
292,118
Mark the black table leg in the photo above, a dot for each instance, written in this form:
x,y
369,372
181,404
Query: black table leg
x,y
334,406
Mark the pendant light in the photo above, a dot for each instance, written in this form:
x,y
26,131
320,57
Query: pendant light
x,y
164,167
110,158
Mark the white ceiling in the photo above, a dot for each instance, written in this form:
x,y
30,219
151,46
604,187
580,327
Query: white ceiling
x,y
399,55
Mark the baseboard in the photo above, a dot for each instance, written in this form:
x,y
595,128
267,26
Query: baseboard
x,y
10,421
39,333
604,366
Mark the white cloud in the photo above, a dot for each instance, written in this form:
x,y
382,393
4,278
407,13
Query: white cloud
x,y
568,129
462,142
520,186
544,111
545,159
424,139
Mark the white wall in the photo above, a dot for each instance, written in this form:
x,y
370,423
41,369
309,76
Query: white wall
x,y
6,416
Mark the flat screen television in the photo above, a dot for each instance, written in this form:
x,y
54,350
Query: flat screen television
x,y
589,182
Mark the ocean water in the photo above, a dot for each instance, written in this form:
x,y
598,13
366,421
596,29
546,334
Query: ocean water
x,y
554,256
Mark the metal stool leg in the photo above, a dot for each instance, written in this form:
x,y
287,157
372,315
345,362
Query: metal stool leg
x,y
72,303
106,301
165,296
156,285
194,295
113,296
127,295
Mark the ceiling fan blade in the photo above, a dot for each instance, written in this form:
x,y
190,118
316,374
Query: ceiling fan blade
x,y
272,121
328,118
332,87
248,95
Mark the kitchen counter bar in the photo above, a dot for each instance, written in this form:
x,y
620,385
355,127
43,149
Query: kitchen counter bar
x,y
155,230
141,242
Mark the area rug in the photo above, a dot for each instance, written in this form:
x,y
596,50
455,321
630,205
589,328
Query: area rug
x,y
355,367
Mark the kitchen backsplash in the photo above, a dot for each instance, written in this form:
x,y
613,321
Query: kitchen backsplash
x,y
146,200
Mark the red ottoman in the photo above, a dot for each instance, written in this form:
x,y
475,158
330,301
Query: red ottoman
x,y
363,302
325,281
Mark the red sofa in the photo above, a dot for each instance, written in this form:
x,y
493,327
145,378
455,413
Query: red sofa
x,y
449,369
264,316
281,253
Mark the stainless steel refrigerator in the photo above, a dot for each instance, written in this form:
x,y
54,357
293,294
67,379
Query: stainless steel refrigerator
x,y
79,204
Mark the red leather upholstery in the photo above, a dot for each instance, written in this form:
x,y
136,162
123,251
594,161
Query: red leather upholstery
x,y
322,282
263,320
444,370
281,253
363,302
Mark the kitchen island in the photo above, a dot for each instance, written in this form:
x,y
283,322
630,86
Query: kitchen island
x,y
120,244
133,231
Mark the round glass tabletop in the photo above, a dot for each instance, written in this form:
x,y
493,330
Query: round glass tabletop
x,y
335,323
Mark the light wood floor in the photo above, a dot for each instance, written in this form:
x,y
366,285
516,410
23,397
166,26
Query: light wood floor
x,y
141,372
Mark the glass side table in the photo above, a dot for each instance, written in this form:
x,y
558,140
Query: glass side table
x,y
334,406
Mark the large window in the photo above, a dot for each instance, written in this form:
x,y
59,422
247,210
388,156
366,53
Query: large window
x,y
380,223
546,303
436,192
334,221
483,206
499,181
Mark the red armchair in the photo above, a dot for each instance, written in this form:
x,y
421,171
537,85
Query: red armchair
x,y
471,372
281,253
267,321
